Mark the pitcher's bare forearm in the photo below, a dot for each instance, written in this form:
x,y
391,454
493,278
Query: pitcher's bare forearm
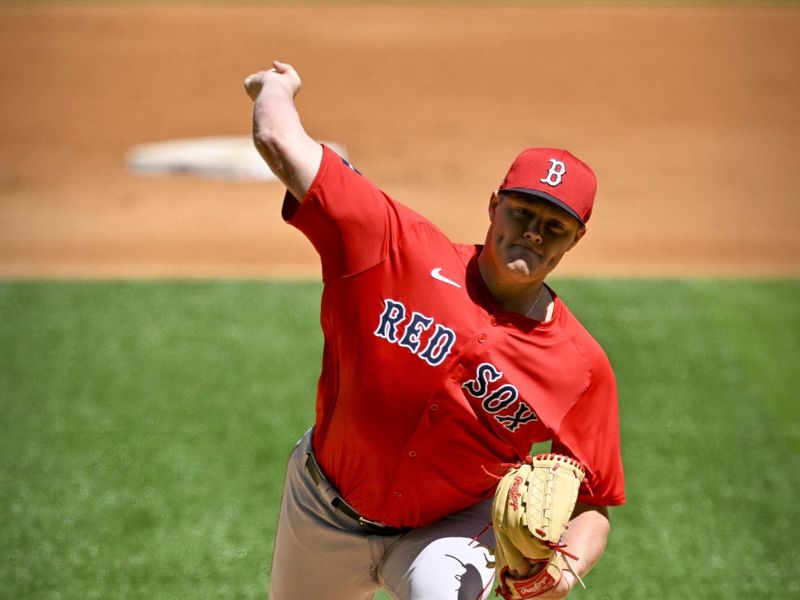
x,y
278,133
585,537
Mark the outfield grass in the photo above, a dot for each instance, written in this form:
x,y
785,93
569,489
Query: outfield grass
x,y
145,426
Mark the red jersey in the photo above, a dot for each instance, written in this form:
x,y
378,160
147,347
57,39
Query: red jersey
x,y
426,382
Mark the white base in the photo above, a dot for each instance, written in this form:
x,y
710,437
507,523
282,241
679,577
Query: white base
x,y
227,157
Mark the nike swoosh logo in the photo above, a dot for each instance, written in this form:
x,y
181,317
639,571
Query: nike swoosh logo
x,y
437,275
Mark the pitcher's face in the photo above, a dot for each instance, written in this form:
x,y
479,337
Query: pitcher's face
x,y
528,235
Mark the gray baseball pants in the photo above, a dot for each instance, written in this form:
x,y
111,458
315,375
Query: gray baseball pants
x,y
321,553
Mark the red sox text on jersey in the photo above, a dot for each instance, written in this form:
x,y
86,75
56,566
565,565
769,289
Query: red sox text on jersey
x,y
408,330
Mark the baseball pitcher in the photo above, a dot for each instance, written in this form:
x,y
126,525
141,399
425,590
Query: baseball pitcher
x,y
443,364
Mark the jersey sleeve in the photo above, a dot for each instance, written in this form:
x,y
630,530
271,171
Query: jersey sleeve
x,y
590,433
351,223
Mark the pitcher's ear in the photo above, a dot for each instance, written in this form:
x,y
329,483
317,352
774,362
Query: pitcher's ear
x,y
494,200
578,235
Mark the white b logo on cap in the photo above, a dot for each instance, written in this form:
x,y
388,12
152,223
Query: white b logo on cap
x,y
555,174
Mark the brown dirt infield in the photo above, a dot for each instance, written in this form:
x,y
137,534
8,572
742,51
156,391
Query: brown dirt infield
x,y
689,116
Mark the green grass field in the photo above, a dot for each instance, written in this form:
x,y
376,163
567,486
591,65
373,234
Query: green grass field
x,y
145,427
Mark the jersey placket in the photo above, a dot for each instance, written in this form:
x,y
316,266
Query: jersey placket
x,y
414,453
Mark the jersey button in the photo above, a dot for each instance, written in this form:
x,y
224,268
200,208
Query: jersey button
x,y
412,453
481,338
434,407
398,494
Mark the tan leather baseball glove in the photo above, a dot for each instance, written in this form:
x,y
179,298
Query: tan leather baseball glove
x,y
532,506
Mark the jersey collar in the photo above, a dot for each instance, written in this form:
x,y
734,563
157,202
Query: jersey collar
x,y
481,295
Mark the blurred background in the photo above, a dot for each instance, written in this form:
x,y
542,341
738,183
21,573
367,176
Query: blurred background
x,y
688,115
159,337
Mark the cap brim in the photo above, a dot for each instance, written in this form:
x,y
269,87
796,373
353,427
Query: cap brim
x,y
549,198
